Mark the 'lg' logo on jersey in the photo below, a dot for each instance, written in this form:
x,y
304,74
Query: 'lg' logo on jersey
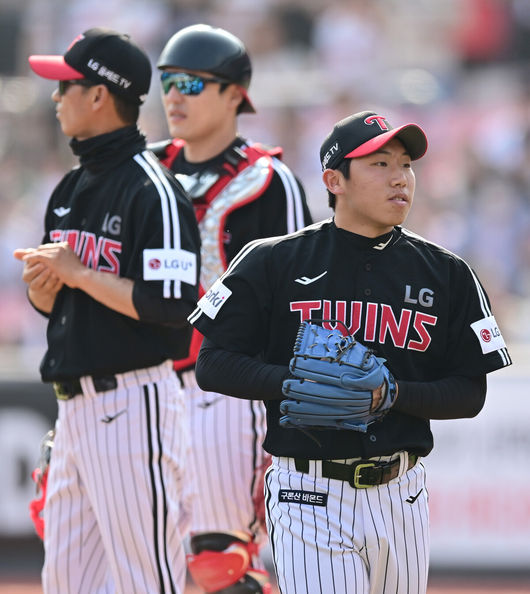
x,y
486,335
155,264
424,297
176,263
489,335
111,224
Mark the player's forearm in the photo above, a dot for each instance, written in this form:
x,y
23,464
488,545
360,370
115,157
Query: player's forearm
x,y
237,374
454,397
41,300
112,291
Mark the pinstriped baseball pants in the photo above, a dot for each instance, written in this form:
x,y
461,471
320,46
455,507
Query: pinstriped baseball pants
x,y
226,435
116,508
329,538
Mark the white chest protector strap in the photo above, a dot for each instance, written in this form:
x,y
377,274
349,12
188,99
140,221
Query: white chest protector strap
x,y
244,188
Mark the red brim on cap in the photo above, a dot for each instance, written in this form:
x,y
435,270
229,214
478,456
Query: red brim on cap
x,y
246,106
412,136
53,67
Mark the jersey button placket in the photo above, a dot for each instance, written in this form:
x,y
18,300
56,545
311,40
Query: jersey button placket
x,y
367,267
368,292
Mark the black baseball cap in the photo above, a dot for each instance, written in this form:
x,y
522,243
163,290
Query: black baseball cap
x,y
105,57
364,133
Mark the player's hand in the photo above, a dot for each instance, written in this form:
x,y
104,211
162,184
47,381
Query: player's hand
x,y
377,397
339,383
58,258
41,279
37,276
19,253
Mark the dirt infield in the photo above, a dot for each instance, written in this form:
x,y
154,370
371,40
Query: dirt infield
x,y
438,585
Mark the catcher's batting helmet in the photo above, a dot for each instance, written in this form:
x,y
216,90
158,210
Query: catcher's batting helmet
x,y
213,50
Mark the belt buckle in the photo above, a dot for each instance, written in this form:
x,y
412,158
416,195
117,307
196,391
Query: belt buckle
x,y
60,394
355,480
106,383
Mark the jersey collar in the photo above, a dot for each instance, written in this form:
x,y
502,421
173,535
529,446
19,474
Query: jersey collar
x,y
379,243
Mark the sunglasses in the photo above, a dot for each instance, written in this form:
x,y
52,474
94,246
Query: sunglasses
x,y
64,85
187,84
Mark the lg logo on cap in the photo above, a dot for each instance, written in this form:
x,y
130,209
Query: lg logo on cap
x,y
333,149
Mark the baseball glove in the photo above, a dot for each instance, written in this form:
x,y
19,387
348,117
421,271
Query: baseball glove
x,y
334,380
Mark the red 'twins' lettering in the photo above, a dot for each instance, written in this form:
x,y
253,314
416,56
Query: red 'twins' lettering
x,y
98,253
408,332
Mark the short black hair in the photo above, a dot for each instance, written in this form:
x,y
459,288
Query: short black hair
x,y
127,111
344,168
222,89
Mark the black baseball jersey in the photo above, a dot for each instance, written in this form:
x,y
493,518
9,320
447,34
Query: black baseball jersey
x,y
233,210
125,214
414,303
280,207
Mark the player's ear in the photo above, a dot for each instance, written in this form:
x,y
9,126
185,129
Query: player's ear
x,y
234,95
333,179
100,94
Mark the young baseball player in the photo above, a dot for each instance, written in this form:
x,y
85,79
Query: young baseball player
x,y
346,503
116,275
240,191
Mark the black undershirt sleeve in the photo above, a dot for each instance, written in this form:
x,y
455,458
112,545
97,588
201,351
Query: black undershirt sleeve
x,y
155,310
455,397
237,374
243,376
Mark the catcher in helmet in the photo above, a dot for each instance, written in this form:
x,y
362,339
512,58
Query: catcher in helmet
x,y
241,191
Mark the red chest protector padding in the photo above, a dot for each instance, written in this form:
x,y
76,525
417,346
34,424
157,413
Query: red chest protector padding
x,y
221,562
249,156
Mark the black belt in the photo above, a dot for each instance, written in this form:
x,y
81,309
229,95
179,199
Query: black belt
x,y
361,474
70,388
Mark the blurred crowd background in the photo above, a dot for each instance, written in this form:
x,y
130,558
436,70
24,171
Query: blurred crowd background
x,y
459,68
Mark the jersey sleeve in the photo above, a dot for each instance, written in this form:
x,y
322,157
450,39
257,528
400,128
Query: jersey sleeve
x,y
476,345
280,209
235,311
291,213
164,259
